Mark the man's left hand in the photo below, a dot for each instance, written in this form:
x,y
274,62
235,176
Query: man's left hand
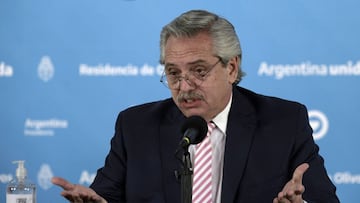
x,y
293,190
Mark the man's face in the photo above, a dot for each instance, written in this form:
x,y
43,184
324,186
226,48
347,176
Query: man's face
x,y
207,97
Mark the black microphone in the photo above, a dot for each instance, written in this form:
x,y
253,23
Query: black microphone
x,y
194,130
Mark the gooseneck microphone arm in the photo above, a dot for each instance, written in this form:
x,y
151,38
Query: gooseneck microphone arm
x,y
194,130
186,178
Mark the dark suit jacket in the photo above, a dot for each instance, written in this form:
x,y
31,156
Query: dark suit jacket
x,y
266,139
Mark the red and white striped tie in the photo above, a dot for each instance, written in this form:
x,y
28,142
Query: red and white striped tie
x,y
202,184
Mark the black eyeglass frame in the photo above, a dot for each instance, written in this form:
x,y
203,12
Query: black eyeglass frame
x,y
189,79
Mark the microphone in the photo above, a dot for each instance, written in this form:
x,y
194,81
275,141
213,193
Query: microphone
x,y
194,130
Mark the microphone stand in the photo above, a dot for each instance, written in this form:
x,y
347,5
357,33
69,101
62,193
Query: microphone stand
x,y
186,182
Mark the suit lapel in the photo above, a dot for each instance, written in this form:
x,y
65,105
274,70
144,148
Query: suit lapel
x,y
170,136
239,135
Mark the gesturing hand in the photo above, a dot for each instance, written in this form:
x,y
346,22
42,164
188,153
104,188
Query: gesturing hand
x,y
77,193
293,190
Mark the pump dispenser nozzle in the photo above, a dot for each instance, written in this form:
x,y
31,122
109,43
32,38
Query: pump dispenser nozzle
x,y
20,189
21,172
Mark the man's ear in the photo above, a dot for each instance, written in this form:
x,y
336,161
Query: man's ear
x,y
233,68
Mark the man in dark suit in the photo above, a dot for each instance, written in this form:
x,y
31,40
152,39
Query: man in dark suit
x,y
262,147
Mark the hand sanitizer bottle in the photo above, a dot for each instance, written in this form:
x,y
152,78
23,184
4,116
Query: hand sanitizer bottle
x,y
20,189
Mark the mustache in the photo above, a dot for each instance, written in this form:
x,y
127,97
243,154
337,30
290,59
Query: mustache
x,y
189,96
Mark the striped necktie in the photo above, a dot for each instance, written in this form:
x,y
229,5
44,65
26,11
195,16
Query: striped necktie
x,y
202,184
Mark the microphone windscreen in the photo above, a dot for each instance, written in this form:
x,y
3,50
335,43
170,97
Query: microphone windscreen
x,y
198,124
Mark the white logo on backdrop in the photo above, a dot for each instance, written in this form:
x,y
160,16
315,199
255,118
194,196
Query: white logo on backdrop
x,y
44,127
280,71
86,177
345,178
5,178
319,123
44,176
6,70
46,69
111,70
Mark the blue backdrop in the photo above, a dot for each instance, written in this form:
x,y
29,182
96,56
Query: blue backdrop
x,y
68,67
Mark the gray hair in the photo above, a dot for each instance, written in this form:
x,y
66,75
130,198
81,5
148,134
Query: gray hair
x,y
226,43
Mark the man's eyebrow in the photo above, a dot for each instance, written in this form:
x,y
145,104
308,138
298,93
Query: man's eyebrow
x,y
169,65
199,61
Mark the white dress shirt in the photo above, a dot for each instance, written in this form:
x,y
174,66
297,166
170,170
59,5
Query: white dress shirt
x,y
218,145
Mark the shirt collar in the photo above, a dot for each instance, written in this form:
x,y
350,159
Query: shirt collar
x,y
222,118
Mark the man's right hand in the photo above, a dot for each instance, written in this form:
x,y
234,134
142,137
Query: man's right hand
x,y
77,193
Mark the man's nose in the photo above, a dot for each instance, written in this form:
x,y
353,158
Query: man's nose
x,y
185,84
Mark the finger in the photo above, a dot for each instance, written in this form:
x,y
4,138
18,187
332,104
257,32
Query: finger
x,y
299,190
281,195
299,172
72,196
284,197
281,200
90,198
84,193
292,195
66,185
67,196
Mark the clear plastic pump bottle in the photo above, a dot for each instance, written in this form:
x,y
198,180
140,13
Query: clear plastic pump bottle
x,y
20,189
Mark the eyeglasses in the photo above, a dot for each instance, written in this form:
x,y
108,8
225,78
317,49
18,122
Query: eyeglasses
x,y
171,77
